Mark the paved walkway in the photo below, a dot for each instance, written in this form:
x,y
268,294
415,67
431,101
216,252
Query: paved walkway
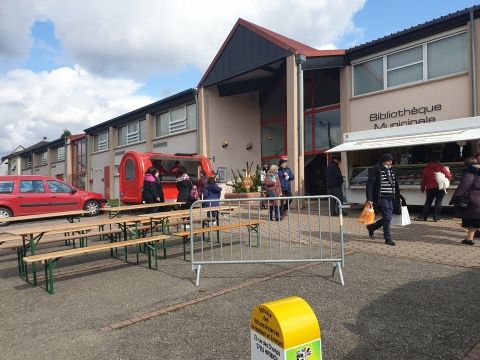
x,y
416,300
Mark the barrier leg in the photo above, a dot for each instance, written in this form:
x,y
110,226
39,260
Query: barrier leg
x,y
340,273
199,267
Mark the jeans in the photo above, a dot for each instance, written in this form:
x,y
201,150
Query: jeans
x,y
285,203
277,213
386,209
338,193
432,194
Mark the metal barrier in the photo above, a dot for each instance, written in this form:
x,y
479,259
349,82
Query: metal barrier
x,y
245,231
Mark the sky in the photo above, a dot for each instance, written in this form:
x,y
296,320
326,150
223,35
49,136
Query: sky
x,y
68,64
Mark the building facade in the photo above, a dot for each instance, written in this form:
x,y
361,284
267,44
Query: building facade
x,y
265,97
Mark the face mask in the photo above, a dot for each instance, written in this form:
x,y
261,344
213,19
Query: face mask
x,y
388,166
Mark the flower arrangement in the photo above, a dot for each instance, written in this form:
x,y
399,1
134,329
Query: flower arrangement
x,y
246,180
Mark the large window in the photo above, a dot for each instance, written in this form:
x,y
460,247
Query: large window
x,y
44,158
35,186
58,187
61,153
100,141
132,133
176,121
430,60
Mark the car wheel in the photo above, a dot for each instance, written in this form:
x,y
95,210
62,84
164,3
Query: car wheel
x,y
5,212
93,208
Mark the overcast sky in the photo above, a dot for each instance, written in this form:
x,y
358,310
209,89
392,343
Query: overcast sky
x,y
72,64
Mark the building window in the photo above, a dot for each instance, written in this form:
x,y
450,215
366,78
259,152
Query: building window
x,y
61,153
430,60
176,121
27,162
44,158
132,133
100,141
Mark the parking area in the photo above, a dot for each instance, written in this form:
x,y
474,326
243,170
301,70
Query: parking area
x,y
416,300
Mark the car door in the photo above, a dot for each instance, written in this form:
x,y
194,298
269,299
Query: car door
x,y
63,197
33,198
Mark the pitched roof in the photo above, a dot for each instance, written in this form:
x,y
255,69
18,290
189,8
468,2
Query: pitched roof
x,y
289,45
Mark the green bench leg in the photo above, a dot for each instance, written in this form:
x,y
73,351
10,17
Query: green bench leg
x,y
164,244
49,265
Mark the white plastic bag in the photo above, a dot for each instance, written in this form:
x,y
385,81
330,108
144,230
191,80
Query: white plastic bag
x,y
403,219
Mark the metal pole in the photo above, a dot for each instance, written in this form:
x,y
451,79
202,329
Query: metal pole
x,y
474,69
300,59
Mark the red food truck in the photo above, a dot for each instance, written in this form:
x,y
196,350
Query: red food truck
x,y
134,164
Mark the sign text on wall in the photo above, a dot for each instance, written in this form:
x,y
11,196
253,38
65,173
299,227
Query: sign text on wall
x,y
405,116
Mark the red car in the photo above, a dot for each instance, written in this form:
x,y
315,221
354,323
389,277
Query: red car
x,y
32,194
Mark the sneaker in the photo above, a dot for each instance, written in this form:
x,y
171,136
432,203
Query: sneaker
x,y
467,242
391,243
370,232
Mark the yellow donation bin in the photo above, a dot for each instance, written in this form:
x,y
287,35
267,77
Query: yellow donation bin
x,y
285,329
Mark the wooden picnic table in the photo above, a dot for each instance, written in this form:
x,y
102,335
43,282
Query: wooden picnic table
x,y
116,211
69,215
162,218
31,236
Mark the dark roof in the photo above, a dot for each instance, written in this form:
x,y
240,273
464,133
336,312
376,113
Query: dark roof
x,y
249,46
417,32
28,150
164,104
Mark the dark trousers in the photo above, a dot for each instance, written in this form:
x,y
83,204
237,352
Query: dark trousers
x,y
386,209
432,194
277,213
338,193
285,203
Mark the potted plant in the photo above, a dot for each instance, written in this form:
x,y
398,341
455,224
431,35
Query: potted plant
x,y
246,183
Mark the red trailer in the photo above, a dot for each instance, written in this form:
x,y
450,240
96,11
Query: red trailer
x,y
134,164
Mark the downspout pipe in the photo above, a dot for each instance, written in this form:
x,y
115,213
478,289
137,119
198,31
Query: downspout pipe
x,y
474,67
300,59
195,92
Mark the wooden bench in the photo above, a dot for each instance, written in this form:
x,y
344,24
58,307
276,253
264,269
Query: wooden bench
x,y
49,259
252,225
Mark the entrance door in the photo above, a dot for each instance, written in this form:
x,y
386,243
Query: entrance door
x,y
315,182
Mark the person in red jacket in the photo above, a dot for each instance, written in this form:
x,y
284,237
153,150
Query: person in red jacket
x,y
430,184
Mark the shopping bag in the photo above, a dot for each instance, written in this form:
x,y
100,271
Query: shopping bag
x,y
403,219
367,216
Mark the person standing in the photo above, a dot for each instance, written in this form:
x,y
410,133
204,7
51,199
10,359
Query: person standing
x,y
158,181
184,186
150,189
263,175
212,192
334,183
430,184
286,176
469,186
383,193
274,189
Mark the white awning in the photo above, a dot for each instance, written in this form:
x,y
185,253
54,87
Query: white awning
x,y
398,137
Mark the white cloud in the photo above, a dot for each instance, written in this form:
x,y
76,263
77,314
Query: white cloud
x,y
34,105
16,18
140,37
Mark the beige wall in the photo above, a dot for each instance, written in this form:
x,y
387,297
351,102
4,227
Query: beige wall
x,y
183,143
477,62
450,98
235,119
292,121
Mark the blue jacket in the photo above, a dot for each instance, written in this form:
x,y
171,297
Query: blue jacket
x,y
284,182
211,192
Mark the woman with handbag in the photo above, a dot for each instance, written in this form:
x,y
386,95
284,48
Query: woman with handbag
x,y
274,189
466,198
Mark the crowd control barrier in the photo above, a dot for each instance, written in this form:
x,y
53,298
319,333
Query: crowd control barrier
x,y
240,231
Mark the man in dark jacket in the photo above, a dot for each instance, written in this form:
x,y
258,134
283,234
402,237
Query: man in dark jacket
x,y
383,193
334,183
285,175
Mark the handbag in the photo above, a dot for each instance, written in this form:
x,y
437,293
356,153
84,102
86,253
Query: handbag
x,y
403,219
462,202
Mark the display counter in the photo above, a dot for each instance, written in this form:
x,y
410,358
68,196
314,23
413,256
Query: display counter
x,y
408,176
